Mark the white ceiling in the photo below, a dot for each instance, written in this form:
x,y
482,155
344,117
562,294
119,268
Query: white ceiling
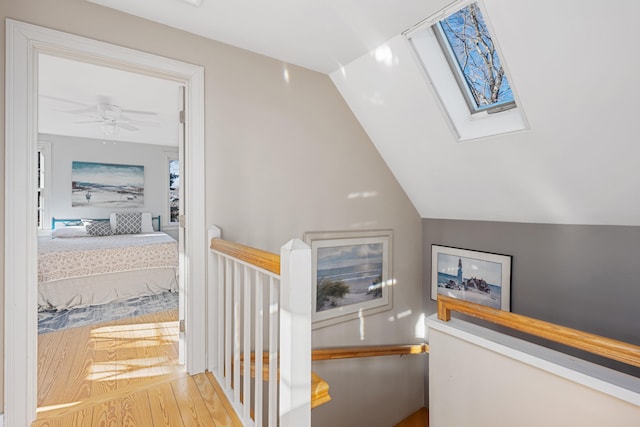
x,y
69,93
322,35
572,64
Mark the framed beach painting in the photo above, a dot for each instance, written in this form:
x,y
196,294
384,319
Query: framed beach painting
x,y
106,185
351,274
478,277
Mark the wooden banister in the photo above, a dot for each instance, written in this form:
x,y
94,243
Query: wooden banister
x,y
265,260
319,387
374,351
354,352
607,347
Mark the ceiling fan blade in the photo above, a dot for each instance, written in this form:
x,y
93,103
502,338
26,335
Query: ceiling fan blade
x,y
126,126
127,119
91,109
142,123
146,113
90,121
68,101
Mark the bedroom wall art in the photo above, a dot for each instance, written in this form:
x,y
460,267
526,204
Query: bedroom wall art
x,y
106,185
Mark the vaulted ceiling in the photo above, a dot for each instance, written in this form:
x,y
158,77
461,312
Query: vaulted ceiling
x,y
573,65
322,35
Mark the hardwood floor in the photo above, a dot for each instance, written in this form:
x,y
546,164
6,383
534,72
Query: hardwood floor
x,y
123,373
183,401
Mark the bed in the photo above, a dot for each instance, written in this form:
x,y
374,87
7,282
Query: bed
x,y
78,269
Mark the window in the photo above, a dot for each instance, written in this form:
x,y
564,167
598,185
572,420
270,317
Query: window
x,y
43,182
472,54
173,191
462,62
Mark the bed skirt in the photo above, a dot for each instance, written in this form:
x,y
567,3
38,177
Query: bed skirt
x,y
105,288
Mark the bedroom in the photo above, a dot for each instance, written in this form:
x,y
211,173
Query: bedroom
x,y
95,138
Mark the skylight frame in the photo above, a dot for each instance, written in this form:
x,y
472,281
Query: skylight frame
x,y
430,57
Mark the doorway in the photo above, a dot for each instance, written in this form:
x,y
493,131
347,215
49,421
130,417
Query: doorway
x,y
108,304
24,43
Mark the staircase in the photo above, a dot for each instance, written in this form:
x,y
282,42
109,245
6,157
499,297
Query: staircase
x,y
420,418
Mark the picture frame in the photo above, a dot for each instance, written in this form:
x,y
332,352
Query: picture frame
x,y
474,276
106,185
351,273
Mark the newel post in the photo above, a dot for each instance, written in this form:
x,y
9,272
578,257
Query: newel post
x,y
214,291
295,334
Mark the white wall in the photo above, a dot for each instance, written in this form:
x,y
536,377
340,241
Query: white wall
x,y
66,149
577,84
484,378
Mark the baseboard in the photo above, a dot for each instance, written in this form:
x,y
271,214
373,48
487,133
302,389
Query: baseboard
x,y
1,420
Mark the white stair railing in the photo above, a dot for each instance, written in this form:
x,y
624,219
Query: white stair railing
x,y
259,303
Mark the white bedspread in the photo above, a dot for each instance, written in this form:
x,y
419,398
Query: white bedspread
x,y
86,256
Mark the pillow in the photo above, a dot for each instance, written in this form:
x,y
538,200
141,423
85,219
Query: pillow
x,y
128,223
145,227
74,231
147,223
99,228
112,221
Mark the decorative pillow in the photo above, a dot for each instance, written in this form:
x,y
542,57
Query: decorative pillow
x,y
99,228
147,223
112,221
73,231
128,223
146,227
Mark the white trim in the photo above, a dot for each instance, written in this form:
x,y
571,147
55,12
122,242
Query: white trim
x,y
294,396
24,42
605,380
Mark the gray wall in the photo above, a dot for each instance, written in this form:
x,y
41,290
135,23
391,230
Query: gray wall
x,y
283,157
585,277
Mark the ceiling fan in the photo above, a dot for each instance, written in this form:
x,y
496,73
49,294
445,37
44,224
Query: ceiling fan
x,y
111,116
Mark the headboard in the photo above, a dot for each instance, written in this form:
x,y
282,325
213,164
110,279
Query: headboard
x,y
69,222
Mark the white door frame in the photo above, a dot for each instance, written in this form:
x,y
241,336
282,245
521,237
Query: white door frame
x,y
24,43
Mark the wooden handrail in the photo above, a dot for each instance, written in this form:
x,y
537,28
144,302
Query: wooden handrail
x,y
607,347
263,259
374,351
353,352
319,387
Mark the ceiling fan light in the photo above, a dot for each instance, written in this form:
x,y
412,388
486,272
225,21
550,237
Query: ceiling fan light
x,y
110,129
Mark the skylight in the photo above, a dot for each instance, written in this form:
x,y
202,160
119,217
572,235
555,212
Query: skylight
x,y
466,39
461,59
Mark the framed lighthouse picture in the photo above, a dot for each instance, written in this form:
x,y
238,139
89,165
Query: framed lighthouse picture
x,y
473,276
